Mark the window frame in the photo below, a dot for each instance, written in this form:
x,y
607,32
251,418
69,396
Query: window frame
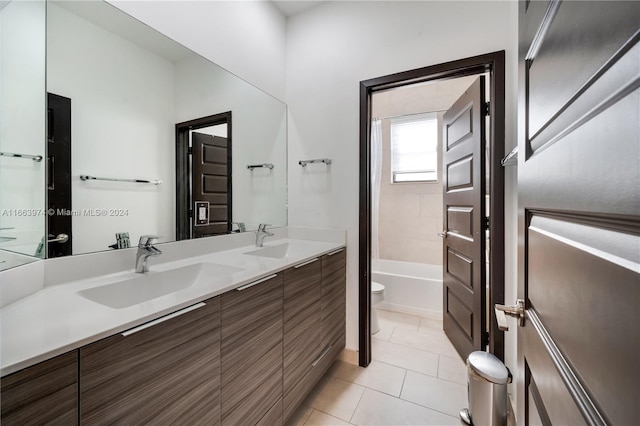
x,y
413,118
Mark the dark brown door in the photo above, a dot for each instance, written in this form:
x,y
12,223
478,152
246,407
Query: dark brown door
x,y
464,237
579,205
58,174
210,177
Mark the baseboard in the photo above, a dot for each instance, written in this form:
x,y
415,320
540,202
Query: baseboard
x,y
349,356
426,313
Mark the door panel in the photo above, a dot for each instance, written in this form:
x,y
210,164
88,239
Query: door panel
x,y
58,174
212,182
591,278
579,263
565,60
464,241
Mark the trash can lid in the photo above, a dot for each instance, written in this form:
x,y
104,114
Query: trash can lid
x,y
488,366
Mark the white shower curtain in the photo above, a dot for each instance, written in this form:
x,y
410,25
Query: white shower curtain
x,y
376,176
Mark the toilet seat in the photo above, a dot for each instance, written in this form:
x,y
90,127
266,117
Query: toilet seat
x,y
376,287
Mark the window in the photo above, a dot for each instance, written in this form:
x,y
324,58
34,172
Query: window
x,y
414,148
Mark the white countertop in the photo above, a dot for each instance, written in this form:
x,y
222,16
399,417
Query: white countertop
x,y
56,319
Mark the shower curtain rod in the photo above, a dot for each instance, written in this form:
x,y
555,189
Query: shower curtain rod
x,y
407,115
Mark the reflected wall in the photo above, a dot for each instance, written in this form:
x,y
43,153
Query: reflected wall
x,y
22,130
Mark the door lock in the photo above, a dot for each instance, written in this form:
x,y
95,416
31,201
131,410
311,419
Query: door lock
x,y
516,311
442,234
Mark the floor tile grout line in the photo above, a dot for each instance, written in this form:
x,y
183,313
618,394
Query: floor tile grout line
x,y
417,371
430,408
423,350
308,417
404,379
418,405
357,405
393,330
404,373
328,414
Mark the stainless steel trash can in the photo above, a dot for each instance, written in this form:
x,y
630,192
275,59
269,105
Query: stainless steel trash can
x,y
486,390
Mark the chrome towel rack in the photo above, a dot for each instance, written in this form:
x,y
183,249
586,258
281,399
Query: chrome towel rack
x,y
36,158
304,163
87,177
258,166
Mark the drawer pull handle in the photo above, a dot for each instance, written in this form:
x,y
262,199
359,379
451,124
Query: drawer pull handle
x,y
246,286
326,351
162,319
335,252
305,263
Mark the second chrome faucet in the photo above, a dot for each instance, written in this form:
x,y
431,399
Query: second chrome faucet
x,y
261,234
146,249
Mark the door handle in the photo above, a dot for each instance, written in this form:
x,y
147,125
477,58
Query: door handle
x,y
61,238
443,234
516,311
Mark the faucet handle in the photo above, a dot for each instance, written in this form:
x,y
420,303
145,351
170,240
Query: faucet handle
x,y
263,226
147,240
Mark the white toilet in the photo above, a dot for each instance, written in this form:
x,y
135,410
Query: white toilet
x,y
377,296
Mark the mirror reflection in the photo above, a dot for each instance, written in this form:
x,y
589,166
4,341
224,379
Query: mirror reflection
x,y
147,137
22,131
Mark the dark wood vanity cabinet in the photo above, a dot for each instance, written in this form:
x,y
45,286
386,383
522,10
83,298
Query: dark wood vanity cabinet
x,y
164,372
46,393
246,357
251,353
314,324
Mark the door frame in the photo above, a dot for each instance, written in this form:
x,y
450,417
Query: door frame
x,y
494,64
183,170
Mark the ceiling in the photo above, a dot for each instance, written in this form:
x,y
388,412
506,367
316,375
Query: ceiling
x,y
293,7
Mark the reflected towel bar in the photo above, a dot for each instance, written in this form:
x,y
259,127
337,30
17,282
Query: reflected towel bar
x,y
2,239
511,159
36,158
86,177
304,163
257,166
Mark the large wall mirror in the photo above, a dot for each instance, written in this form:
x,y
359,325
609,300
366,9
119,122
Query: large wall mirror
x,y
129,148
22,131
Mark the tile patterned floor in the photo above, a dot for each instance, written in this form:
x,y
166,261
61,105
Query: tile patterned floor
x,y
415,378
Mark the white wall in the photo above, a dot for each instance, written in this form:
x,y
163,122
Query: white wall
x,y
246,38
22,124
334,46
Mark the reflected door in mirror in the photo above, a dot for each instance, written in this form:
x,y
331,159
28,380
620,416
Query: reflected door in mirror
x,y
58,175
211,185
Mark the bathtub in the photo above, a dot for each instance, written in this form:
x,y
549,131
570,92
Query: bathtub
x,y
413,288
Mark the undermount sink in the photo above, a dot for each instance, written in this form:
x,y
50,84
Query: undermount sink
x,y
276,252
151,285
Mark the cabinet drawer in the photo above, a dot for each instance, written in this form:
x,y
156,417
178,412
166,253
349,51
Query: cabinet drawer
x,y
165,374
251,351
333,306
46,393
302,318
297,393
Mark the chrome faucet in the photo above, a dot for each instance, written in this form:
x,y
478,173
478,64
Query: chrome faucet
x,y
261,234
145,249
